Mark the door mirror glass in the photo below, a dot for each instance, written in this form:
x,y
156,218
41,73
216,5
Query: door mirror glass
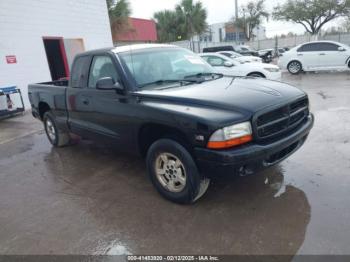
x,y
228,64
107,83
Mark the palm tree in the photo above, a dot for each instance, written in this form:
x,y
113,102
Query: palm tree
x,y
169,26
194,15
119,12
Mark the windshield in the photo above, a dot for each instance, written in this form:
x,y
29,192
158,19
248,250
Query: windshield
x,y
158,66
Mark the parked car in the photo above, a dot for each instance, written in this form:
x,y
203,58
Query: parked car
x,y
267,55
228,66
166,104
243,50
241,58
246,50
314,56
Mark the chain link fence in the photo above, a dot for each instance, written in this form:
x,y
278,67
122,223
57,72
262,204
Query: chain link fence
x,y
289,42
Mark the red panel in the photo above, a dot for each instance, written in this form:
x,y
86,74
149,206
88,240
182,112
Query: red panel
x,y
63,52
11,59
143,30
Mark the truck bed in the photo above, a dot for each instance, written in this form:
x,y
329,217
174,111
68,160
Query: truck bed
x,y
51,94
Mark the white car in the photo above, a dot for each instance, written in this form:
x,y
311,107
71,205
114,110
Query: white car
x,y
228,66
241,58
315,56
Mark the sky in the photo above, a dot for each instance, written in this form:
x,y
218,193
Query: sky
x,y
218,11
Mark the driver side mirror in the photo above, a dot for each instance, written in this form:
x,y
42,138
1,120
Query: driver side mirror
x,y
228,64
341,49
107,83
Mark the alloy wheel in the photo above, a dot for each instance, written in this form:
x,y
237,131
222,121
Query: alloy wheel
x,y
170,172
50,129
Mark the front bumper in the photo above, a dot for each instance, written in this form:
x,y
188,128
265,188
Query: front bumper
x,y
250,158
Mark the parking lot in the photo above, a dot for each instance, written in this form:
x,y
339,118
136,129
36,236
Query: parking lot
x,y
90,199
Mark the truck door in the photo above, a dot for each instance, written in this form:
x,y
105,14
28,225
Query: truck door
x,y
101,113
76,95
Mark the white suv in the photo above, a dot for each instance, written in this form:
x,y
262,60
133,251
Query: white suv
x,y
314,56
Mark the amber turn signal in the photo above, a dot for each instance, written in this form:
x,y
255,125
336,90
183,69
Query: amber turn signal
x,y
229,143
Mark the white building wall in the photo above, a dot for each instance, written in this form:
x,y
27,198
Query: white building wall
x,y
260,33
24,23
215,30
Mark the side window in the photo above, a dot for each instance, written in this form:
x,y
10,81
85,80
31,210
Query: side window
x,y
215,60
314,47
79,72
101,66
328,47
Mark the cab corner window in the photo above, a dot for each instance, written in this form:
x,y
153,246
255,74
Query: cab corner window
x,y
102,66
79,72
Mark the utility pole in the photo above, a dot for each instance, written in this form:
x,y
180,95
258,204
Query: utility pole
x,y
236,17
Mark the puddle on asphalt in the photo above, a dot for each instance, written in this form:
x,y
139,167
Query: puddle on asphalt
x,y
114,248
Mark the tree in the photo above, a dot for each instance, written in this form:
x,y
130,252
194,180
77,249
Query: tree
x,y
119,12
251,16
169,26
312,14
346,24
194,17
184,22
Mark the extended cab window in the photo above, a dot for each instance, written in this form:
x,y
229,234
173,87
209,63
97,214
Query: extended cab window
x,y
79,70
102,66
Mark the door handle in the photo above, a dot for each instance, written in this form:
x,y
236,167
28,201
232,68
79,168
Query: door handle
x,y
322,54
300,54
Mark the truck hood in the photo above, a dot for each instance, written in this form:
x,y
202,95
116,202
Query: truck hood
x,y
239,94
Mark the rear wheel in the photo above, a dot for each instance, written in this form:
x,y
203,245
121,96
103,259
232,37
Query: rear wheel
x,y
174,173
294,67
57,137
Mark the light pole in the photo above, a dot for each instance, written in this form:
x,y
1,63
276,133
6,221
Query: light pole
x,y
236,17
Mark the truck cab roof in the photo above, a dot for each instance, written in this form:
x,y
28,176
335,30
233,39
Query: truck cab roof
x,y
126,48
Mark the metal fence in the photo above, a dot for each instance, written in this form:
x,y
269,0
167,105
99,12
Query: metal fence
x,y
267,43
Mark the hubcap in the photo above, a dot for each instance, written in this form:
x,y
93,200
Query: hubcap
x,y
294,67
170,172
50,129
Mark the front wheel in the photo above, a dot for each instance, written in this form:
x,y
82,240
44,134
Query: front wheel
x,y
294,67
174,173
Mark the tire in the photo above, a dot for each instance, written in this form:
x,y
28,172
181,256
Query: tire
x,y
57,137
259,75
174,173
295,67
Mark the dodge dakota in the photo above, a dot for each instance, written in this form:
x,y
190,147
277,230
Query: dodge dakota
x,y
166,104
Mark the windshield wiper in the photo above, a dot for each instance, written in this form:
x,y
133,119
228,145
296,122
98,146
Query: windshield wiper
x,y
203,75
167,81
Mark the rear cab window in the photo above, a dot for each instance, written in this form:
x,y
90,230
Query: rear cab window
x,y
79,71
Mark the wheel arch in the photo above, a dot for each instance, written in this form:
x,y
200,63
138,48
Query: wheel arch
x,y
43,107
257,73
151,132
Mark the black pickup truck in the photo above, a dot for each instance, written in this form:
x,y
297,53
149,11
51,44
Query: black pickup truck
x,y
168,105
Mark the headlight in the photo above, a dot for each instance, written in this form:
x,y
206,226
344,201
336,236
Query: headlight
x,y
272,70
231,136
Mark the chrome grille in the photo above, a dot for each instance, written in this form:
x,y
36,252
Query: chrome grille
x,y
282,120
